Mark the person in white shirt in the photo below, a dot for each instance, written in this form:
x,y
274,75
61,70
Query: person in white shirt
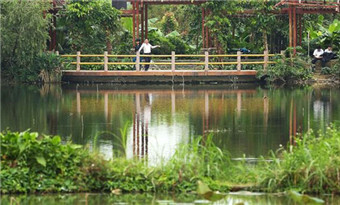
x,y
146,46
328,55
318,53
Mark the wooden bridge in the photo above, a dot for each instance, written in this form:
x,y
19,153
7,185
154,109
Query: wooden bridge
x,y
204,71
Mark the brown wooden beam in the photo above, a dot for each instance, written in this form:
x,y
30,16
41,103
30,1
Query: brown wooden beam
x,y
133,24
294,29
203,28
142,23
290,27
146,21
137,18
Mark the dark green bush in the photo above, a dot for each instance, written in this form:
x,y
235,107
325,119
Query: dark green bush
x,y
49,66
287,69
31,163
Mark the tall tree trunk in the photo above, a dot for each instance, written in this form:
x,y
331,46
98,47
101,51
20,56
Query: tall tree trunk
x,y
108,42
265,40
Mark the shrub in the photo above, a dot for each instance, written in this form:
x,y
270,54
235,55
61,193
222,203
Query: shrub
x,y
31,163
49,66
287,69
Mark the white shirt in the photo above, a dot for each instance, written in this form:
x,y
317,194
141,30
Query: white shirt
x,y
146,48
328,51
317,53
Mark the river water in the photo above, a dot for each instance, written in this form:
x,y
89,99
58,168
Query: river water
x,y
241,198
245,120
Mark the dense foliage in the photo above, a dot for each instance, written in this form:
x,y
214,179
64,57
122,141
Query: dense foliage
x,y
92,26
289,68
326,35
32,163
24,33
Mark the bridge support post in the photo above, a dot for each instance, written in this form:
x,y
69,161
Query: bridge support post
x,y
239,66
78,61
138,61
173,65
106,61
206,61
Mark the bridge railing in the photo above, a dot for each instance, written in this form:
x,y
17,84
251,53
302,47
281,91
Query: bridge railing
x,y
205,60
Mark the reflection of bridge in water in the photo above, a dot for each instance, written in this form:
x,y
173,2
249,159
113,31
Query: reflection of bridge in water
x,y
153,142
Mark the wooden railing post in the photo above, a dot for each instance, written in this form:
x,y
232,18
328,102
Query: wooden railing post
x,y
239,66
78,61
173,65
265,59
106,61
206,61
137,61
282,53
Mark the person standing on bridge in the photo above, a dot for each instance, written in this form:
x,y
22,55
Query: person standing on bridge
x,y
137,47
146,46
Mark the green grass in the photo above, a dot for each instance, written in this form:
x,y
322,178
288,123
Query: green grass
x,y
31,163
312,165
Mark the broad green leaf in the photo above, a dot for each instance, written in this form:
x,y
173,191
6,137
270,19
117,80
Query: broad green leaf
x,y
76,146
56,140
41,160
22,147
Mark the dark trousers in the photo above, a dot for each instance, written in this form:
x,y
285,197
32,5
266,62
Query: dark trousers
x,y
316,59
147,60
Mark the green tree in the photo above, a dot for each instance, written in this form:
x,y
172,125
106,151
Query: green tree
x,y
92,25
168,23
327,35
23,36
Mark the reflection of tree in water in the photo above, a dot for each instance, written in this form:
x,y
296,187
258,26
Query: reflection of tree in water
x,y
322,107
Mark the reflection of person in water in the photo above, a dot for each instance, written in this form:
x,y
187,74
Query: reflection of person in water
x,y
147,109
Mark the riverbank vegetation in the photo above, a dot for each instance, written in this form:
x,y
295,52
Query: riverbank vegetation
x,y
32,163
290,68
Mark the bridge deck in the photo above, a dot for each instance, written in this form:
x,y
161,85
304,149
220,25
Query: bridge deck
x,y
160,76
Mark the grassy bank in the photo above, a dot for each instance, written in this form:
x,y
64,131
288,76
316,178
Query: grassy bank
x,y
33,163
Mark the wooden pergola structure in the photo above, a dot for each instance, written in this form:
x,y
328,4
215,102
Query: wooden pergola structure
x,y
295,9
139,15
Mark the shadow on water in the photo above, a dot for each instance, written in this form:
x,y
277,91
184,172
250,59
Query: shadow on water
x,y
244,119
94,199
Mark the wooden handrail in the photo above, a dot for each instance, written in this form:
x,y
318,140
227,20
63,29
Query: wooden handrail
x,y
206,62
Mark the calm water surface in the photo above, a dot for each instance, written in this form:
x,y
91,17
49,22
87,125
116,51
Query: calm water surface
x,y
243,119
96,199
